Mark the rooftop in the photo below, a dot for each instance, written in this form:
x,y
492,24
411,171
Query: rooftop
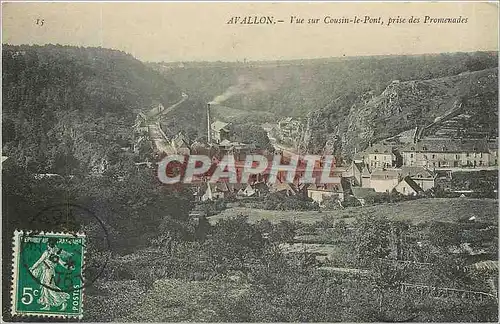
x,y
330,187
379,148
412,184
386,174
180,141
448,145
416,172
219,125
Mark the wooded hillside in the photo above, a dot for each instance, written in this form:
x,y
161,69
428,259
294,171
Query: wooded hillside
x,y
294,88
403,106
67,107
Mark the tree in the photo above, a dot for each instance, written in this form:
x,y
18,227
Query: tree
x,y
280,201
233,245
284,288
371,237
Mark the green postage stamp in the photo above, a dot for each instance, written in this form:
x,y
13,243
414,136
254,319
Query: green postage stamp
x,y
47,276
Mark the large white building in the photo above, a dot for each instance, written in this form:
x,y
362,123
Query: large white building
x,y
447,153
378,156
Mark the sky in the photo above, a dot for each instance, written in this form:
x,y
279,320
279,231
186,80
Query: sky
x,y
199,31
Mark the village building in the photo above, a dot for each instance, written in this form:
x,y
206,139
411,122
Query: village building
x,y
336,171
354,174
220,131
365,177
140,125
423,177
358,157
219,190
384,180
247,191
288,189
215,191
238,150
408,187
447,153
320,192
254,190
377,156
380,156
180,144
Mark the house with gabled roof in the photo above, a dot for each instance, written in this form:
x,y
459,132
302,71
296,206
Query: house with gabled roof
x,y
215,191
319,192
377,156
180,144
408,187
220,131
423,177
384,180
287,188
365,177
218,190
354,174
257,189
247,191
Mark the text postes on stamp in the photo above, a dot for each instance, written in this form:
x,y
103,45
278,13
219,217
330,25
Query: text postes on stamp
x,y
48,274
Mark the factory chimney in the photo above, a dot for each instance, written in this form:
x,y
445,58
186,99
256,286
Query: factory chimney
x,y
209,133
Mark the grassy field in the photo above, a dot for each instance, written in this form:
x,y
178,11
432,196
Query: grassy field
x,y
421,210
175,300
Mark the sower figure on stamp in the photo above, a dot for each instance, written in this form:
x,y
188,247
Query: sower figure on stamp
x,y
44,270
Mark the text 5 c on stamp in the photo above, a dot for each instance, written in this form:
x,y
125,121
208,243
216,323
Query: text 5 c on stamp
x,y
48,274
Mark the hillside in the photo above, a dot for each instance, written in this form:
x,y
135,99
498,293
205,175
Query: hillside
x,y
68,108
233,115
295,88
402,106
65,109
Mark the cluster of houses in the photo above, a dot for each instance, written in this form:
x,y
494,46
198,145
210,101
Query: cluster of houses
x,y
451,153
433,153
410,171
355,181
218,137
409,168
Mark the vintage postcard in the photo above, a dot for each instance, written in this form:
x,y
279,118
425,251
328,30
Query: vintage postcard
x,y
250,161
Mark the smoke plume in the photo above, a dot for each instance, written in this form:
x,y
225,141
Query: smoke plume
x,y
244,86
